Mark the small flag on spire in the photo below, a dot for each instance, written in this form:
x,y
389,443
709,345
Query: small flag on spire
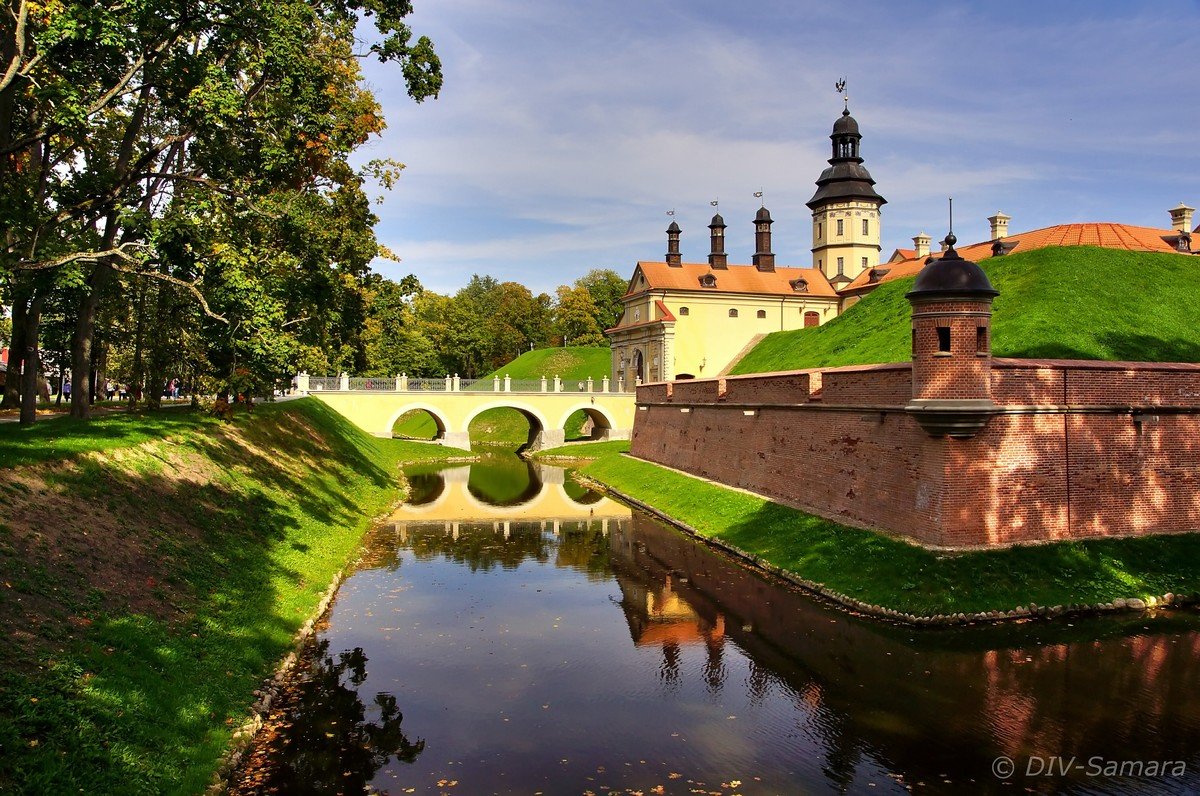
x,y
714,203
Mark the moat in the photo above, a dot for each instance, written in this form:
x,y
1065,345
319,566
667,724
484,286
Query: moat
x,y
511,632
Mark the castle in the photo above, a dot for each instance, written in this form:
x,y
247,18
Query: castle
x,y
951,449
695,320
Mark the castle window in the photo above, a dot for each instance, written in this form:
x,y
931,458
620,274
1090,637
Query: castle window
x,y
841,263
708,280
811,319
762,313
733,313
684,310
864,263
820,229
943,334
840,231
981,339
866,227
799,285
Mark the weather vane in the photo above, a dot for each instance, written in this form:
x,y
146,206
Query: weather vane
x,y
841,89
671,213
714,203
759,195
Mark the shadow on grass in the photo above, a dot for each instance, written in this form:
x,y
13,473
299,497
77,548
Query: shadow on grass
x,y
185,591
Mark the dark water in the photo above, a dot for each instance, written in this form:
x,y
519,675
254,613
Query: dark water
x,y
594,650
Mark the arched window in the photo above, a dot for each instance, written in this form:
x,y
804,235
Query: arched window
x,y
762,313
811,319
866,227
683,310
840,228
733,313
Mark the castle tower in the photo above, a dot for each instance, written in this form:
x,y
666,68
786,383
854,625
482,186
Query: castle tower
x,y
951,346
845,209
764,259
717,257
673,257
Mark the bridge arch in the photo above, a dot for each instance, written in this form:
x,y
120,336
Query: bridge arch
x,y
537,421
439,417
601,419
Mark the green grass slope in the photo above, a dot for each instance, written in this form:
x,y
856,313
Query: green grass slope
x,y
1063,303
573,363
154,569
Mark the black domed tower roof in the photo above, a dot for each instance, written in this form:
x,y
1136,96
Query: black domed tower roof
x,y
846,178
717,221
763,214
674,227
952,277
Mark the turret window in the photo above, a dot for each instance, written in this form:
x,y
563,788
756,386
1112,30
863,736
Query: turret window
x,y
820,230
841,264
981,339
840,231
864,263
943,335
866,227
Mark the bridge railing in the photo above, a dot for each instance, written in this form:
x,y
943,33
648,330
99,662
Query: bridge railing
x,y
402,383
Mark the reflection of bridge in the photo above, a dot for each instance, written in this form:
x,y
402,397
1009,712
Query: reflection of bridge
x,y
452,502
376,405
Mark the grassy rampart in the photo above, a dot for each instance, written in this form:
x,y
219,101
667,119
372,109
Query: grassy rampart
x,y
1076,302
154,570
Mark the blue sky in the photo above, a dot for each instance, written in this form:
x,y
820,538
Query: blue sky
x,y
566,130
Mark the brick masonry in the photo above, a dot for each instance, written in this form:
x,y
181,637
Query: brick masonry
x,y
1078,449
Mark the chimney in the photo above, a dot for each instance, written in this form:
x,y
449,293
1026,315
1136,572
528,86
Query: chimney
x,y
999,224
673,258
763,259
717,259
921,244
1181,217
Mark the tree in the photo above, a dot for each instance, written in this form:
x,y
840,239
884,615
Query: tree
x,y
575,317
606,288
109,113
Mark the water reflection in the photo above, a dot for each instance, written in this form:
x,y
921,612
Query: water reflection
x,y
321,739
592,649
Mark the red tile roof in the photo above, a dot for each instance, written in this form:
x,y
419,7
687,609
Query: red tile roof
x,y
735,279
1108,236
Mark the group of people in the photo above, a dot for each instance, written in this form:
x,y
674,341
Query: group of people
x,y
172,389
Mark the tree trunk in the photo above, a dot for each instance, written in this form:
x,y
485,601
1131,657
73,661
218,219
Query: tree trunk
x,y
16,352
29,380
81,343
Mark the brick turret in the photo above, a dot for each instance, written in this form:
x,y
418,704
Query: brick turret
x,y
764,259
673,257
717,257
951,346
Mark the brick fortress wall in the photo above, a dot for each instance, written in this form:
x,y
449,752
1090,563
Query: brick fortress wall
x,y
1078,449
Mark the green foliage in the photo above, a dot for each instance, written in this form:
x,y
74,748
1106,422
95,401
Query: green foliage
x,y
1068,302
606,287
891,573
575,318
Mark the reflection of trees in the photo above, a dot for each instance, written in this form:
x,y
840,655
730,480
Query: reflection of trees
x,y
321,740
579,545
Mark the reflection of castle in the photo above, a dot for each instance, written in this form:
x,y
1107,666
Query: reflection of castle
x,y
878,695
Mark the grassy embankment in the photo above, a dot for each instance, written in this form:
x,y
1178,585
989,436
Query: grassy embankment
x,y
1062,303
153,571
887,572
508,427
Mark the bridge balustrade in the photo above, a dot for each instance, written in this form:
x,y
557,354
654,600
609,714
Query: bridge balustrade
x,y
402,383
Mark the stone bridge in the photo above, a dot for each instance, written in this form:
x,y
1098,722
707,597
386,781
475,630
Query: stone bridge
x,y
374,405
